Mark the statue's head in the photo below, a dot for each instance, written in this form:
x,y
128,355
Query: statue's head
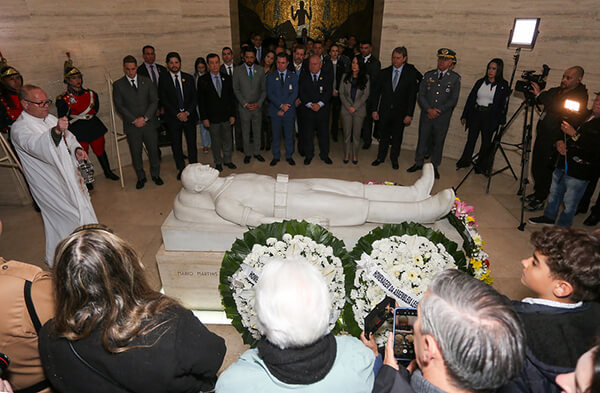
x,y
197,177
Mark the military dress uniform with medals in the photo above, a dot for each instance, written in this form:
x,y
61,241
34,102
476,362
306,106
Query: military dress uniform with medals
x,y
438,90
81,107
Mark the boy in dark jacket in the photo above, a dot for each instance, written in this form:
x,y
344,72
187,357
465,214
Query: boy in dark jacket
x,y
560,323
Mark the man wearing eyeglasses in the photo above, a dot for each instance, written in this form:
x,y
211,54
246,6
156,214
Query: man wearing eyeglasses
x,y
50,154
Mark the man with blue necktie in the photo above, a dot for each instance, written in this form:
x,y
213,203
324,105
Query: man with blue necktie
x,y
282,90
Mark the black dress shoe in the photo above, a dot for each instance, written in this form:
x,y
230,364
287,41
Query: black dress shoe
x,y
157,180
140,183
376,162
327,160
179,174
274,161
366,146
346,160
90,186
355,162
541,220
291,161
246,160
307,161
111,175
462,164
436,173
414,168
395,165
592,220
259,157
219,167
230,165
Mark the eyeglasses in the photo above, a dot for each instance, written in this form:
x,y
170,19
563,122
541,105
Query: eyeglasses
x,y
41,103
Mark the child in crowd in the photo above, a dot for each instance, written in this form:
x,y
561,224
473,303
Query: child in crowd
x,y
561,321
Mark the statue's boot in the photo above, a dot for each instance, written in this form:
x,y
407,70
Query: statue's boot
x,y
417,192
426,211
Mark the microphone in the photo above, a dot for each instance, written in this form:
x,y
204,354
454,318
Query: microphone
x,y
4,362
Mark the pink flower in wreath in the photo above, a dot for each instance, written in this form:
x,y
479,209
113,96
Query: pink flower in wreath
x,y
461,208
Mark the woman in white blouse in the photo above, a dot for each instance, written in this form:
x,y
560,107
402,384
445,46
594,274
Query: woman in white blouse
x,y
484,111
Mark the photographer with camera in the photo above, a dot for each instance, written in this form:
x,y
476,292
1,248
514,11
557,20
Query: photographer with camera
x,y
548,130
577,164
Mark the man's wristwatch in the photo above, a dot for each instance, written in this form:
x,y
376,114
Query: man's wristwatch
x,y
575,136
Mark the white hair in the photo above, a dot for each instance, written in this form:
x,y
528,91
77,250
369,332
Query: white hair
x,y
293,303
196,177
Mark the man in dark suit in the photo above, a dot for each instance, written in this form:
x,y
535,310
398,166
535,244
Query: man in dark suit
x,y
315,92
394,97
149,68
318,50
228,67
178,96
373,67
136,99
338,68
258,48
217,108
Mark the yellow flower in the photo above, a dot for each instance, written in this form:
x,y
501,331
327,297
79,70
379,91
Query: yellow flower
x,y
470,219
486,278
476,263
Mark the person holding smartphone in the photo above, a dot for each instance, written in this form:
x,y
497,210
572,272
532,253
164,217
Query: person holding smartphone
x,y
451,313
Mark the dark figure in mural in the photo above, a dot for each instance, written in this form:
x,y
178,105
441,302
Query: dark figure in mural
x,y
302,14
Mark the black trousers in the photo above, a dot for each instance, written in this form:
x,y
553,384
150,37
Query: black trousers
x,y
480,123
543,159
176,129
336,106
311,122
585,201
367,129
391,133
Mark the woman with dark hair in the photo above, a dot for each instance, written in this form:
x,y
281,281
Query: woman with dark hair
x,y
354,91
484,111
113,332
200,68
269,65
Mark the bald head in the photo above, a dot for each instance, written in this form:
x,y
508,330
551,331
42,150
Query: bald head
x,y
571,78
34,101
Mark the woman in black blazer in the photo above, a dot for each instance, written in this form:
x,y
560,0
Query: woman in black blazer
x,y
484,111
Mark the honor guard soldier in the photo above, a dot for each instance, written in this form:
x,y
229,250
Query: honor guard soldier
x,y
81,107
438,94
10,84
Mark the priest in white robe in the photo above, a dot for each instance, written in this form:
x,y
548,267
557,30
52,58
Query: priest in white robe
x,y
50,155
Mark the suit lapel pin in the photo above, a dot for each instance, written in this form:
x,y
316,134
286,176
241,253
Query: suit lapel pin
x,y
183,79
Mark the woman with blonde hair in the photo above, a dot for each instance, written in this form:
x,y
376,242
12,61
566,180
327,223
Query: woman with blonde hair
x,y
113,332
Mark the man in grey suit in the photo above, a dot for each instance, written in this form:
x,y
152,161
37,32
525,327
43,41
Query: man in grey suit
x,y
438,94
136,99
249,87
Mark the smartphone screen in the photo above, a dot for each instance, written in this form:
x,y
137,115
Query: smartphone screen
x,y
404,321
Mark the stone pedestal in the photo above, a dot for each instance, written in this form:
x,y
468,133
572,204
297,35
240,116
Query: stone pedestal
x,y
192,277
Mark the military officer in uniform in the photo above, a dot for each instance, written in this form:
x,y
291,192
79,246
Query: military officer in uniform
x,y
81,106
10,84
438,94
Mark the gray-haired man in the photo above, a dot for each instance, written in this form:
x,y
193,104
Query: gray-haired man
x,y
468,338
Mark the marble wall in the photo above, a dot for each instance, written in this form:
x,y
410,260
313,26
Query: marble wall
x,y
35,34
478,31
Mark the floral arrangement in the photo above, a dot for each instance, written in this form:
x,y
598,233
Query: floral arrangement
x,y
242,265
405,257
462,219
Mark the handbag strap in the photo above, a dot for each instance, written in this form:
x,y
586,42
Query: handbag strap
x,y
98,372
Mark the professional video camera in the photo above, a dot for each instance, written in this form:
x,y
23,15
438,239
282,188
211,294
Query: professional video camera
x,y
524,85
